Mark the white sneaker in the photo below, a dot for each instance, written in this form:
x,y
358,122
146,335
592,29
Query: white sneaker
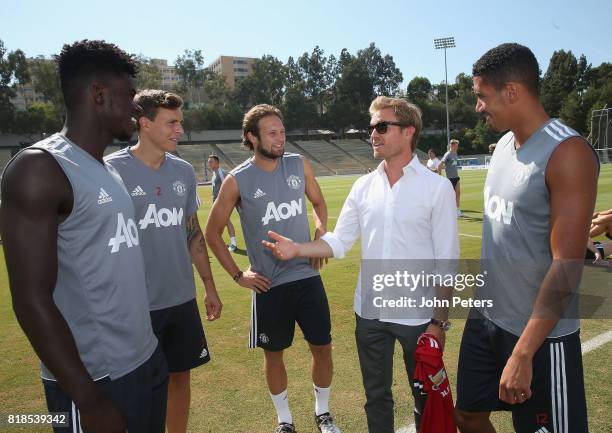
x,y
325,423
459,213
232,248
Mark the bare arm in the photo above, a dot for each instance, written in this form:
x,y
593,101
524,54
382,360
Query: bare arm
x,y
36,197
228,198
571,177
199,257
319,209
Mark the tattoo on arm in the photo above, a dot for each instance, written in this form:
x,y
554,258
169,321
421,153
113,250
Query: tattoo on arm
x,y
192,229
194,235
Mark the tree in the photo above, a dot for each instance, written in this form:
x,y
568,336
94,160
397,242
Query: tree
x,y
190,68
264,85
299,111
149,76
353,95
38,118
385,76
559,81
419,90
317,76
13,69
46,81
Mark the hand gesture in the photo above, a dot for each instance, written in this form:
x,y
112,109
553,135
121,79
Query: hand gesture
x,y
283,249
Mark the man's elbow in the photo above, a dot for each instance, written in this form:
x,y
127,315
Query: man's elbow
x,y
28,308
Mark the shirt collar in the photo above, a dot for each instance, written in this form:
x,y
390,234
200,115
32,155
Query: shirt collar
x,y
414,165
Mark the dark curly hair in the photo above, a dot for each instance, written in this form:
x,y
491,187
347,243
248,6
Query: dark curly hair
x,y
509,62
81,61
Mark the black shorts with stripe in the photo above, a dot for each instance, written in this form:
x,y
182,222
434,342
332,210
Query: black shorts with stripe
x,y
557,404
275,313
140,396
181,337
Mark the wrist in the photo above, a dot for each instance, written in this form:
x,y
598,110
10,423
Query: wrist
x,y
444,325
522,355
237,276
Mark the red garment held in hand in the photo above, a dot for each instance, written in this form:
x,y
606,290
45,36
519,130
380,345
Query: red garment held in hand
x,y
431,378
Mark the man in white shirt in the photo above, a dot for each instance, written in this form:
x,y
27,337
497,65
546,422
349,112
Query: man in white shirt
x,y
401,211
433,163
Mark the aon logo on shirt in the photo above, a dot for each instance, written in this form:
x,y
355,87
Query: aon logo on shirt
x,y
496,208
126,233
282,212
161,218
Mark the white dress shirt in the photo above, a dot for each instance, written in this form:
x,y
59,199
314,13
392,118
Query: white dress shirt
x,y
433,164
414,219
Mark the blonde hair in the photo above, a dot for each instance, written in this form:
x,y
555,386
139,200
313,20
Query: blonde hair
x,y
250,123
406,113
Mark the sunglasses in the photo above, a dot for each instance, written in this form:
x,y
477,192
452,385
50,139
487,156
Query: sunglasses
x,y
381,127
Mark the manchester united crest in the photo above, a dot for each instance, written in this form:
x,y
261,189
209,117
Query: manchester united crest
x,y
294,181
179,188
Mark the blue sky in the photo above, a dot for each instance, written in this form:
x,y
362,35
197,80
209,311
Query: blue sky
x,y
404,29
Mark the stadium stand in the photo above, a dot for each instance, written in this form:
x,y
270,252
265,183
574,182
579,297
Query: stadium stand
x,y
197,155
332,157
360,150
317,167
235,152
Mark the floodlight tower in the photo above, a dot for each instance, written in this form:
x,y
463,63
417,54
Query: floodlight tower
x,y
444,43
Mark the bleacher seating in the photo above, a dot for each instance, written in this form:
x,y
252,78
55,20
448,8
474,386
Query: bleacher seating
x,y
317,168
197,155
332,157
236,152
360,150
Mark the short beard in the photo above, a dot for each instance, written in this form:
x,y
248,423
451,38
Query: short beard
x,y
267,154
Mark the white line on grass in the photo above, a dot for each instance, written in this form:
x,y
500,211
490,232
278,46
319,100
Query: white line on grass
x,y
470,236
596,342
587,346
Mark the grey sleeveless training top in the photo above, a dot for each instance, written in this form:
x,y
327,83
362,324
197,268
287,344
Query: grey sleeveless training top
x,y
450,164
163,200
274,201
515,236
217,180
100,288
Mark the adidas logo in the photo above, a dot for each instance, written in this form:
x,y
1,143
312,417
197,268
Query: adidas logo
x,y
543,430
204,353
259,193
103,197
138,191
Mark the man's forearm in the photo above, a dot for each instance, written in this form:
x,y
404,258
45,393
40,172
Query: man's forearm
x,y
199,257
318,248
556,294
319,214
216,244
51,339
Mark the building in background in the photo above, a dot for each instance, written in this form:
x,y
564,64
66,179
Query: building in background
x,y
232,68
25,95
168,73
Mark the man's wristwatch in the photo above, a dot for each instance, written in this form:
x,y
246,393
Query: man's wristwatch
x,y
237,276
442,324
